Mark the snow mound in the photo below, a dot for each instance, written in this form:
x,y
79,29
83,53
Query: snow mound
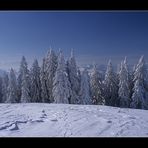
x,y
63,120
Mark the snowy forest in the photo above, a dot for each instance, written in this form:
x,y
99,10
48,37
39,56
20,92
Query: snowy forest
x,y
61,81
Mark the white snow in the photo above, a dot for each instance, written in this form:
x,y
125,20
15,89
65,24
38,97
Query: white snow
x,y
64,120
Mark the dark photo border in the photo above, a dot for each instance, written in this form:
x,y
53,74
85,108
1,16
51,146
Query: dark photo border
x,y
74,5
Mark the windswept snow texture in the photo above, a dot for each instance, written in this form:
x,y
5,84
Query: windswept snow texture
x,y
60,120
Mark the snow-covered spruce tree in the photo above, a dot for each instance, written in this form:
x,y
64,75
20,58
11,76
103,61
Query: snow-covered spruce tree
x,y
73,78
132,81
118,69
12,88
50,69
35,82
5,81
124,85
25,82
79,76
111,87
96,87
85,92
1,95
20,76
43,78
19,80
79,80
140,90
130,75
61,86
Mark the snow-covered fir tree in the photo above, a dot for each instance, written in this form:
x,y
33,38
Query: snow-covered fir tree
x,y
79,76
50,69
5,81
62,88
118,69
132,80
124,85
12,88
35,82
1,95
19,78
25,82
79,80
130,77
85,92
43,78
140,90
73,78
111,86
96,87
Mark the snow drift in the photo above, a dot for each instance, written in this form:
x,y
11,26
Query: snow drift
x,y
64,120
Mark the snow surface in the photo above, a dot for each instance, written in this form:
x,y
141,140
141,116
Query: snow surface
x,y
64,120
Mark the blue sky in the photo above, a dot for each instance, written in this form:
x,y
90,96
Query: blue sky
x,y
95,36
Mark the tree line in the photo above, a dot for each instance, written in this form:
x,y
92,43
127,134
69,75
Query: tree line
x,y
60,81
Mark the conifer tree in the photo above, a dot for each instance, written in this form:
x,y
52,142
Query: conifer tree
x,y
25,82
35,82
85,92
140,90
5,82
62,87
12,88
43,78
111,86
97,87
50,69
124,85
73,78
1,95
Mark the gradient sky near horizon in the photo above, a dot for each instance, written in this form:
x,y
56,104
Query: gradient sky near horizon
x,y
95,36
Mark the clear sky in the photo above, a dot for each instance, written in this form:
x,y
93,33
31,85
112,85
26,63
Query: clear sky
x,y
95,36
